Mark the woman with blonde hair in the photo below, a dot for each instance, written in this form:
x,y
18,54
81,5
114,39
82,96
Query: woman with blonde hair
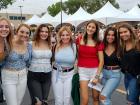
x,y
130,63
63,68
6,34
39,75
14,70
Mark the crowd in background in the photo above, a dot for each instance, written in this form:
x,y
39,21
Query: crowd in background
x,y
54,58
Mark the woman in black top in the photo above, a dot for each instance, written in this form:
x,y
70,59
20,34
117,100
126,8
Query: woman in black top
x,y
111,72
130,63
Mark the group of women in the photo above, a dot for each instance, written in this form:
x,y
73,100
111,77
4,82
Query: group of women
x,y
38,65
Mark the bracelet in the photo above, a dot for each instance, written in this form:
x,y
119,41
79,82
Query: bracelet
x,y
97,76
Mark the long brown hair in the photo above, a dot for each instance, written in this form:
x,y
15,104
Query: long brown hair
x,y
95,36
132,36
11,33
115,43
36,37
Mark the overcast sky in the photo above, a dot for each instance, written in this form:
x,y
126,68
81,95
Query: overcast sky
x,y
41,5
127,4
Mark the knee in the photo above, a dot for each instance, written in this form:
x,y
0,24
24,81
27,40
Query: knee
x,y
102,99
84,100
96,98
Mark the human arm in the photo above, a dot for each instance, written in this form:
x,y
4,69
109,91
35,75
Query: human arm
x,y
2,53
99,70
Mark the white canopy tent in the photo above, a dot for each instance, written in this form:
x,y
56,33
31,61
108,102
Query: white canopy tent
x,y
46,18
57,19
106,12
122,17
79,16
135,11
33,20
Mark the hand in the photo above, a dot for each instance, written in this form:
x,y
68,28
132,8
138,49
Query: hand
x,y
95,81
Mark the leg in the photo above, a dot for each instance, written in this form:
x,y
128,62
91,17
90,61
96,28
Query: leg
x,y
95,96
132,90
67,88
57,88
110,83
35,87
46,86
21,86
10,94
9,85
84,92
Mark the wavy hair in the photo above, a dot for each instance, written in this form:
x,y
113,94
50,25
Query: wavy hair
x,y
132,36
36,37
115,43
11,33
95,36
62,29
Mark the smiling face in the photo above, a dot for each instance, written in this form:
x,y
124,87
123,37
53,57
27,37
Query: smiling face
x,y
65,37
110,37
91,28
4,28
124,34
44,33
23,33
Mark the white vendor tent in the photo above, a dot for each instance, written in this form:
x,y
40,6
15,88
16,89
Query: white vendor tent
x,y
106,12
33,20
79,16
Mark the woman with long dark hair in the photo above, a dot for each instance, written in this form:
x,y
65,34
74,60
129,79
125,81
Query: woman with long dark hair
x,y
90,61
130,63
39,75
111,70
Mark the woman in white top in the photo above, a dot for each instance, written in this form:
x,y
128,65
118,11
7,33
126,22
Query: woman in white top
x,y
39,75
63,68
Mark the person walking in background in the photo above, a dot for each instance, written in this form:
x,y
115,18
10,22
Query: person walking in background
x,y
111,71
39,75
130,63
63,68
90,61
6,34
14,70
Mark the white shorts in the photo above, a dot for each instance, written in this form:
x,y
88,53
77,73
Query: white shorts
x,y
87,73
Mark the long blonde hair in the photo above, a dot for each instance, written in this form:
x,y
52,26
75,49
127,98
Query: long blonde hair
x,y
11,33
62,29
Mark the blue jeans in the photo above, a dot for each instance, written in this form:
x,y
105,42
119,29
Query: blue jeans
x,y
132,89
110,80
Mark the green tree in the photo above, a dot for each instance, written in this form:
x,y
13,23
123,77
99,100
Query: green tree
x,y
54,9
71,6
139,5
4,3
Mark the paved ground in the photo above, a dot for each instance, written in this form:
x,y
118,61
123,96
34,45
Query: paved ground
x,y
118,97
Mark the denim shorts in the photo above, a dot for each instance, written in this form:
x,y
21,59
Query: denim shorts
x,y
87,73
